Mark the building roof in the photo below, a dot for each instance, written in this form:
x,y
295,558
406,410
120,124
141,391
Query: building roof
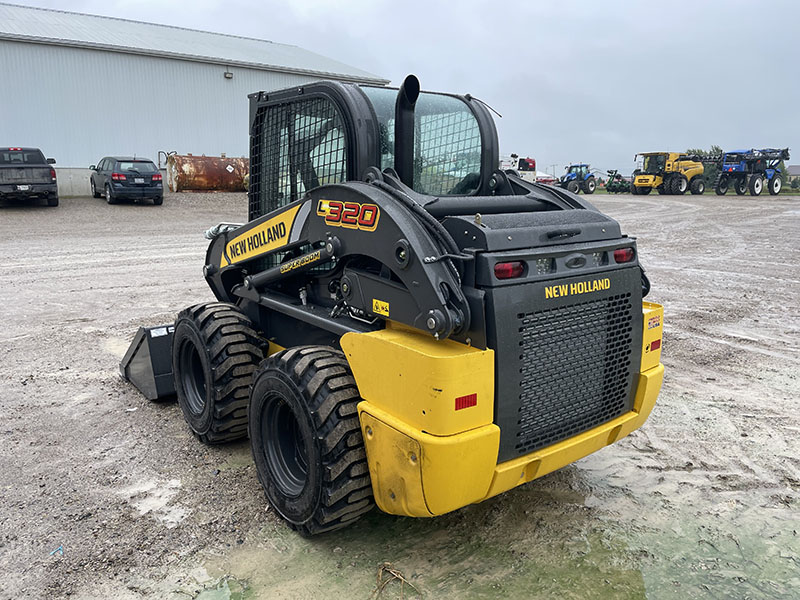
x,y
793,170
57,27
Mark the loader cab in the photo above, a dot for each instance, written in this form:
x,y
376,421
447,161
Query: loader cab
x,y
330,132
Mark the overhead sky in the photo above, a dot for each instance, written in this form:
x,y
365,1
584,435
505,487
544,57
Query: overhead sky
x,y
575,81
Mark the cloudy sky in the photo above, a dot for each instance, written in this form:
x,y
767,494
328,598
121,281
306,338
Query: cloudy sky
x,y
575,81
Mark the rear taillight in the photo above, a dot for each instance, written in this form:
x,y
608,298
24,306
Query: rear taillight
x,y
52,174
118,177
157,177
509,270
623,255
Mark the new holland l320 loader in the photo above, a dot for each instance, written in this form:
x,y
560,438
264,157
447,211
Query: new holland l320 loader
x,y
400,322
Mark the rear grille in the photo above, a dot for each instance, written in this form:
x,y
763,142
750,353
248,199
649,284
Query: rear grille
x,y
575,364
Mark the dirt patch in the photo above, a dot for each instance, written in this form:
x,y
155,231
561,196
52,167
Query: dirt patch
x,y
107,495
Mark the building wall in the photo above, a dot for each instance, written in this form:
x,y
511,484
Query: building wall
x,y
79,105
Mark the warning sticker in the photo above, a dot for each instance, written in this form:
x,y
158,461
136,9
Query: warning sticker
x,y
654,322
379,307
229,168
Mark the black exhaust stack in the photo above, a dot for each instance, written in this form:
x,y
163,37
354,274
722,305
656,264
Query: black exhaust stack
x,y
404,129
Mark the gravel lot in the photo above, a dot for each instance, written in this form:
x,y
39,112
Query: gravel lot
x,y
105,495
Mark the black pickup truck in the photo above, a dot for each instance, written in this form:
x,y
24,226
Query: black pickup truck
x,y
26,174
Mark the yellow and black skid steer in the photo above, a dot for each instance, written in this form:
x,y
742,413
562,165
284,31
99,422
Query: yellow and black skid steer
x,y
402,323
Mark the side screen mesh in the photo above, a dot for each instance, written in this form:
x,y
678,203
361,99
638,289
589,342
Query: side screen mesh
x,y
447,141
294,147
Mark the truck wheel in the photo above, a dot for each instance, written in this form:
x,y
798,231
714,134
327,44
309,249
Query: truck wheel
x,y
740,186
722,186
52,201
698,186
756,185
573,187
95,193
306,439
109,198
214,353
774,185
589,186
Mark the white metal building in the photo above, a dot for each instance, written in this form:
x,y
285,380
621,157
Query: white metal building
x,y
81,87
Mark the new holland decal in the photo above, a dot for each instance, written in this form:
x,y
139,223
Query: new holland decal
x,y
573,289
264,237
350,215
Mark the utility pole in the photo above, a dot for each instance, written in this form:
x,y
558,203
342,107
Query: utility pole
x,y
553,166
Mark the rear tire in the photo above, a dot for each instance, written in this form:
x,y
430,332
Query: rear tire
x,y
740,186
775,185
589,186
573,187
698,186
756,185
214,353
52,201
722,186
306,439
158,201
109,198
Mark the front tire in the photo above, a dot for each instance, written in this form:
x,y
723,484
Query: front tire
x,y
756,185
573,187
306,439
95,193
740,186
722,186
698,186
589,186
775,185
214,353
679,185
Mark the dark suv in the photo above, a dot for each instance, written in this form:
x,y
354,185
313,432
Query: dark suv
x,y
125,178
26,174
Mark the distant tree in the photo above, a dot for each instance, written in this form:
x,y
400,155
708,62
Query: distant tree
x,y
795,183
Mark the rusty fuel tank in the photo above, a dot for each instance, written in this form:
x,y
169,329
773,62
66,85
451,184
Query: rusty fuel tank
x,y
187,173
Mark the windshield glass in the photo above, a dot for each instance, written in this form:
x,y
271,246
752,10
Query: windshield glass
x,y
654,164
140,166
22,157
447,141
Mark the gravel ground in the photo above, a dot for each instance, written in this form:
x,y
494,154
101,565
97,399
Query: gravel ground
x,y
105,495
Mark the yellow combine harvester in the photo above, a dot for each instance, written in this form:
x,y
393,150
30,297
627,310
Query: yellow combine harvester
x,y
668,173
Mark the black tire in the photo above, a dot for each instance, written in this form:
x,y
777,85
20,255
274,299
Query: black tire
x,y
697,186
774,185
740,186
634,190
306,439
756,185
679,185
95,193
214,354
721,188
158,201
662,189
52,201
589,186
572,186
644,191
109,198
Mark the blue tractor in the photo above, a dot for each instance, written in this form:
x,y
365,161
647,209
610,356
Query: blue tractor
x,y
578,177
750,169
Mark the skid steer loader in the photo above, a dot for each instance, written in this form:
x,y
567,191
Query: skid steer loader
x,y
401,323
